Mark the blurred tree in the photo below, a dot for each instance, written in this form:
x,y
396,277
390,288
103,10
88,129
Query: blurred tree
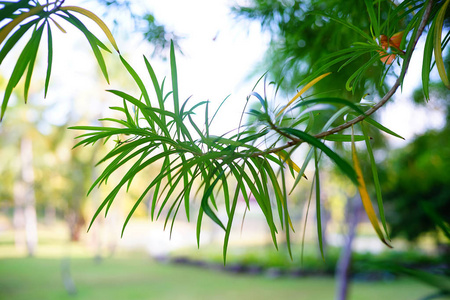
x,y
417,179
143,21
417,190
302,34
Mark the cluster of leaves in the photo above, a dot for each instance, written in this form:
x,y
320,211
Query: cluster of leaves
x,y
252,162
23,16
295,53
384,45
255,160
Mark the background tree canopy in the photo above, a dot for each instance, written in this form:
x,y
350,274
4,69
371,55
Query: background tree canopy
x,y
302,34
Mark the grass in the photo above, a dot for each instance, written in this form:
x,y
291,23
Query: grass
x,y
139,277
134,275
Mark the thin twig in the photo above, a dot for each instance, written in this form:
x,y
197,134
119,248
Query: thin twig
x,y
296,141
393,89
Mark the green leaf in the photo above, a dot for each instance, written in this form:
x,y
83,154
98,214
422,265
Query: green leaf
x,y
426,62
14,38
199,225
230,221
18,71
438,44
307,210
411,44
49,59
176,100
93,41
344,138
355,78
281,201
318,206
33,49
349,25
382,128
372,16
267,211
303,168
149,116
332,101
208,192
137,79
156,86
345,167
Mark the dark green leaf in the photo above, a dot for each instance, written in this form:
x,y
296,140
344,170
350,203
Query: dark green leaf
x,y
318,206
344,138
49,58
382,128
345,167
33,49
14,38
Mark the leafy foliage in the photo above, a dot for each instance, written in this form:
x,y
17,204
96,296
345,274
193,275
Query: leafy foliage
x,y
418,184
304,41
255,160
22,16
251,162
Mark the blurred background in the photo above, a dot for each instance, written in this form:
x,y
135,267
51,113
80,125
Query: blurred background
x,y
222,48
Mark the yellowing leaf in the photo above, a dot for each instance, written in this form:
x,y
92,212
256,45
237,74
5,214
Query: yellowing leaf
x,y
438,43
17,20
303,90
97,20
58,26
289,161
365,198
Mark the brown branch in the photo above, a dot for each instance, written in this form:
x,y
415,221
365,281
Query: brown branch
x,y
393,89
387,96
296,141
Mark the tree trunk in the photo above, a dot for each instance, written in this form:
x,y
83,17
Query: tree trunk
x,y
24,201
354,207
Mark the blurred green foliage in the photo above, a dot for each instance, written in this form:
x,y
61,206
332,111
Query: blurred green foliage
x,y
417,180
417,188
301,35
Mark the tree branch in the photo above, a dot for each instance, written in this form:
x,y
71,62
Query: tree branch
x,y
393,89
296,141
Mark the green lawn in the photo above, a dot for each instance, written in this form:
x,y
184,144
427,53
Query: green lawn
x,y
139,277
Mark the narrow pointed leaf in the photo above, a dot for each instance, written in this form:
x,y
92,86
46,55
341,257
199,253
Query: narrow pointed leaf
x,y
206,208
318,206
382,128
93,42
230,222
96,19
6,30
49,59
438,44
345,167
426,62
365,198
14,38
33,50
303,90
